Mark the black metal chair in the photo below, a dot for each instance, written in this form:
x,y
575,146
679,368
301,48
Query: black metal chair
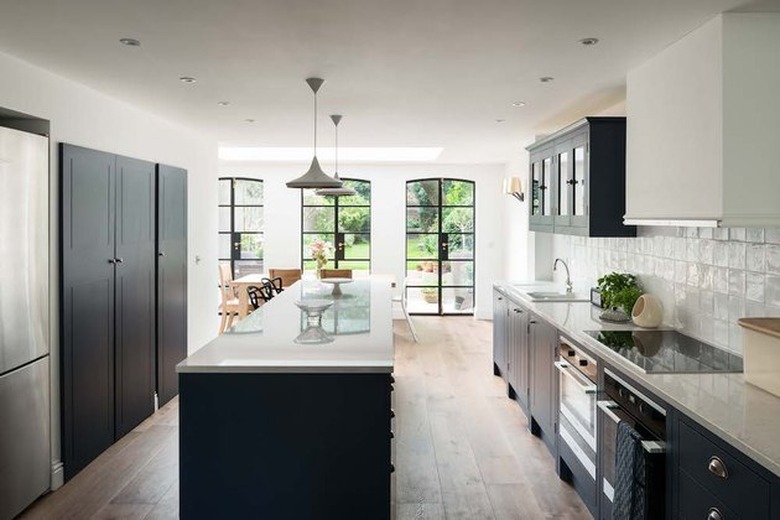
x,y
276,283
265,293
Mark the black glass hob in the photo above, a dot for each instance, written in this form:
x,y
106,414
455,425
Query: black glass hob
x,y
667,351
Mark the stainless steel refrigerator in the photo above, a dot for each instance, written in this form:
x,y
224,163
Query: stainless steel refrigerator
x,y
25,417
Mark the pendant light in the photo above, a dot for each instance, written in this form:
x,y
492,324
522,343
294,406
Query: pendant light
x,y
336,192
315,177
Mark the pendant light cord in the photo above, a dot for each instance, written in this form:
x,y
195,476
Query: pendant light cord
x,y
315,124
337,150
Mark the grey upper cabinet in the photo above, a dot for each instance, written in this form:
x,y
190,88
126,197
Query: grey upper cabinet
x,y
578,179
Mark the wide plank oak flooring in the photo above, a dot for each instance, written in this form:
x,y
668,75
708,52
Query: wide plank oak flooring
x,y
462,448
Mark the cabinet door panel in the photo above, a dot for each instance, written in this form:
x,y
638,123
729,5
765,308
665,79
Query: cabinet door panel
x,y
579,180
87,218
135,293
542,342
171,278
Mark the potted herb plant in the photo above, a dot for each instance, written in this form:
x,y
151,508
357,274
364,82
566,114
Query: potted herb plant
x,y
619,292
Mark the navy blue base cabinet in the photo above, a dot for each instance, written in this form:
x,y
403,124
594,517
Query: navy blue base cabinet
x,y
285,445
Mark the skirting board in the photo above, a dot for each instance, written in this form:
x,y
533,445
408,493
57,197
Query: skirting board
x,y
57,475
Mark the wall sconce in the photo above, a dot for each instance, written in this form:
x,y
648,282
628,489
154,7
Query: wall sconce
x,y
513,187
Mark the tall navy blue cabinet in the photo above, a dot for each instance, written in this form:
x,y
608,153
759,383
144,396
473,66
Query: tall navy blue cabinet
x,y
109,297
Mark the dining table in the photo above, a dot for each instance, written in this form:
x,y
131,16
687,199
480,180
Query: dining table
x,y
240,285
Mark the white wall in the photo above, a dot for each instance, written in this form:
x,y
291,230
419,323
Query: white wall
x,y
388,185
87,118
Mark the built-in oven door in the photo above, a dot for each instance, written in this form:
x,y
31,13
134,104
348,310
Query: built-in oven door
x,y
578,402
611,416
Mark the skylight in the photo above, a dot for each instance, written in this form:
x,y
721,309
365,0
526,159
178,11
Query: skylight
x,y
303,154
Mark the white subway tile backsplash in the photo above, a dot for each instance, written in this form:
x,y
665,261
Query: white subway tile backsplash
x,y
754,287
754,257
736,283
693,274
772,290
721,307
772,258
755,235
737,255
706,278
706,302
737,234
772,235
720,279
720,233
721,254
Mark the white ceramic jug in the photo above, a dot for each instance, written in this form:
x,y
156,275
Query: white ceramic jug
x,y
647,312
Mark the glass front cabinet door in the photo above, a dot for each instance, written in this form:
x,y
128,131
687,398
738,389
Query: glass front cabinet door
x,y
542,204
578,178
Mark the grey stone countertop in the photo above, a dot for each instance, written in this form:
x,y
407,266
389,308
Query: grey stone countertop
x,y
743,415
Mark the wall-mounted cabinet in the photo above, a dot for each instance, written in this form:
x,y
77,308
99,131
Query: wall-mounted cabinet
x,y
703,127
577,179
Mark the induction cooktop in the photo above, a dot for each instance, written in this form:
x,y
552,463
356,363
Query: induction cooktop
x,y
667,351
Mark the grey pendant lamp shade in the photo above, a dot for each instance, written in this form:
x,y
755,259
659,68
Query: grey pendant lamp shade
x,y
343,190
315,177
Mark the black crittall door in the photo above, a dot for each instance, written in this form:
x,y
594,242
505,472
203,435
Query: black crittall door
x,y
440,246
171,278
241,225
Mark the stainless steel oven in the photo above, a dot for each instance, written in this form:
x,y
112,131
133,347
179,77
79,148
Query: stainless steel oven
x,y
577,415
626,404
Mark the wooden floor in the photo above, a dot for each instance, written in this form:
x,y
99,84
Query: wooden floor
x,y
463,450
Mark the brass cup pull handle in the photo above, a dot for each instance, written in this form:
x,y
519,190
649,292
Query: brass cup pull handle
x,y
718,468
715,514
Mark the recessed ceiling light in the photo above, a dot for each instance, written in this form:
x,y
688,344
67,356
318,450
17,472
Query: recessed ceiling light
x,y
500,120
249,120
589,41
188,79
546,79
518,104
130,42
223,103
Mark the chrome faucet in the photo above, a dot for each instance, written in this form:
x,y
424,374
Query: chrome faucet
x,y
569,286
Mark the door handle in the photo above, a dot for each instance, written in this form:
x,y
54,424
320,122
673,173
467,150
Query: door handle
x,y
586,387
161,253
120,260
112,260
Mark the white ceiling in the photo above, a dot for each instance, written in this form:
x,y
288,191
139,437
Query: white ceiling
x,y
402,72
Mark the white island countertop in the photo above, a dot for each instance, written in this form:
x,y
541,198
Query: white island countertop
x,y
359,323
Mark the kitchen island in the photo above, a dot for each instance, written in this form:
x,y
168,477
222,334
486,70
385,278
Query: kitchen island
x,y
282,418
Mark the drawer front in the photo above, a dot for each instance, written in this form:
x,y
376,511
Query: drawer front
x,y
696,503
722,475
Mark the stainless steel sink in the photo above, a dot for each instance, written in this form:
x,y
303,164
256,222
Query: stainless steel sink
x,y
539,296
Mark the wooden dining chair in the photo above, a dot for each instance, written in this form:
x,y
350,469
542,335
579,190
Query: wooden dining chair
x,y
229,307
288,276
336,273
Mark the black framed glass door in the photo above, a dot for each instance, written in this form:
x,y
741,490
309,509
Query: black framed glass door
x,y
241,224
341,222
440,246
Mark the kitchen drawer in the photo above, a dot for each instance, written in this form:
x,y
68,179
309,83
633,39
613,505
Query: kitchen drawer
x,y
740,489
696,503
